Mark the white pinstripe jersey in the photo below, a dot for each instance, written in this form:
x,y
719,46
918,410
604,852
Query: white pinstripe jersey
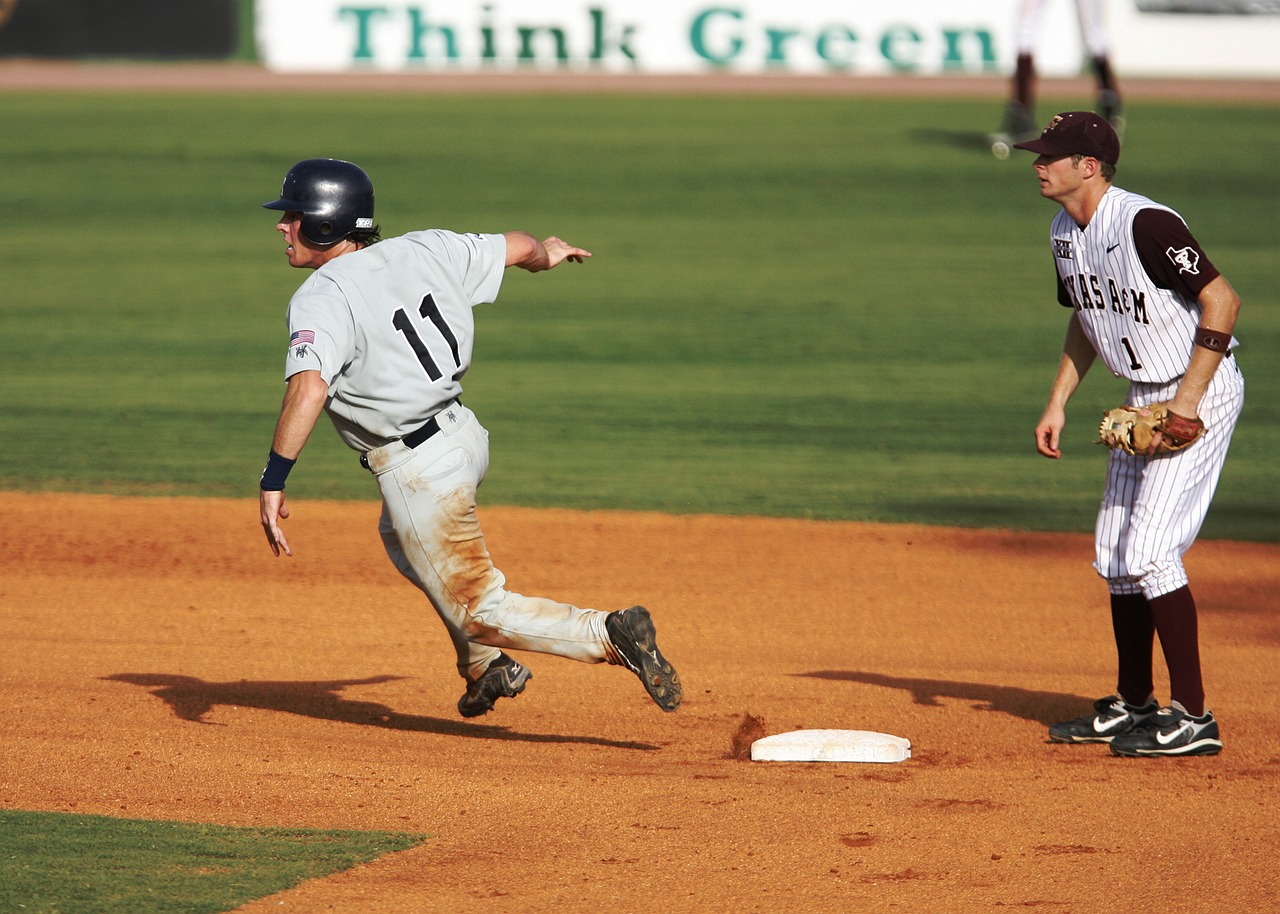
x,y
1141,331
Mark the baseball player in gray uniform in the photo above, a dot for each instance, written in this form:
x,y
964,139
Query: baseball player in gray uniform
x,y
381,334
1147,301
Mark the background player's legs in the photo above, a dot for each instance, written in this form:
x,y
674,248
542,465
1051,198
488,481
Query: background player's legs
x,y
1024,85
1019,117
1109,104
1094,35
1101,67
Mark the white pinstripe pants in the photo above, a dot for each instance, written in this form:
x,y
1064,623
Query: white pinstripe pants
x,y
1153,507
1092,30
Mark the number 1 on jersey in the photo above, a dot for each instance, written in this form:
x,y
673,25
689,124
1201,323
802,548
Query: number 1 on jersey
x,y
430,311
1133,356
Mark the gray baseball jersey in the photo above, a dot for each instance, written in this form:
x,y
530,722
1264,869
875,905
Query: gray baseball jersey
x,y
390,328
1134,291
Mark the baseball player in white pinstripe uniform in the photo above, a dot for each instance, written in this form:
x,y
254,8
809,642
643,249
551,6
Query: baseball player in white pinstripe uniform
x,y
1147,301
381,334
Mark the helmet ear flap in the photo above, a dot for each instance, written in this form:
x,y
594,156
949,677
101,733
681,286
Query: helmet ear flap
x,y
318,231
334,197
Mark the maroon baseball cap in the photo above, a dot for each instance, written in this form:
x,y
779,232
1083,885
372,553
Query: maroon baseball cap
x,y
1077,132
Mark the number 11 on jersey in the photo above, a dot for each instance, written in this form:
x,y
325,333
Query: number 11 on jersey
x,y
429,311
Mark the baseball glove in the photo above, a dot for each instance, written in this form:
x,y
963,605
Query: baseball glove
x,y
1132,429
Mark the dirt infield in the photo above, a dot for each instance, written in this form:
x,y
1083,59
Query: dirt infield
x,y
158,662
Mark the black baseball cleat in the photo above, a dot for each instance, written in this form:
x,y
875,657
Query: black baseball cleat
x,y
1171,731
504,678
635,642
1112,717
1112,111
1018,122
1016,127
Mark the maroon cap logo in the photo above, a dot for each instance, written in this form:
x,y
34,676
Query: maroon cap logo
x,y
1077,133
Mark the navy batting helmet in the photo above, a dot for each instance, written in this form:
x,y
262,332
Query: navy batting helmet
x,y
334,197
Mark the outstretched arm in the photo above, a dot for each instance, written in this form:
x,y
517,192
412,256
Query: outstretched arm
x,y
528,253
1077,355
304,400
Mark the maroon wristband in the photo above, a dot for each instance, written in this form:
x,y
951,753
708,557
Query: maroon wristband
x,y
1212,340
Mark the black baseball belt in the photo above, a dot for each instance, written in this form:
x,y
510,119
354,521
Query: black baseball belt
x,y
422,433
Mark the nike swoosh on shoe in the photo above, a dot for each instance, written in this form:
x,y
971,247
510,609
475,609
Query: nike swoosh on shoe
x,y
1106,726
1166,739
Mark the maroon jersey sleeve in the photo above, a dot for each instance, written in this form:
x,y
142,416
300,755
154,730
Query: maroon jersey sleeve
x,y
1064,298
1170,254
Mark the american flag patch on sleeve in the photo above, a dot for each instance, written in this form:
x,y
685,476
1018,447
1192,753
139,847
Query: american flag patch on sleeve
x,y
302,336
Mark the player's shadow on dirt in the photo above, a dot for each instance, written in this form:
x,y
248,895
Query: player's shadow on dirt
x,y
1041,707
191,699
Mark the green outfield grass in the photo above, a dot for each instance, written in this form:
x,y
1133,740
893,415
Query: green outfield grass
x,y
814,307
52,862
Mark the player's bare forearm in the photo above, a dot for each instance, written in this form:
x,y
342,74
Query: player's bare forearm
x,y
1054,418
1220,306
1077,355
528,253
304,400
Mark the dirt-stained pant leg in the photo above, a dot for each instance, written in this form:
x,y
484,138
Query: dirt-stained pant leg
x,y
473,658
429,500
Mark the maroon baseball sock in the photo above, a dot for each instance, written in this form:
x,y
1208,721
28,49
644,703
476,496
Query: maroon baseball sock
x,y
1175,619
1023,79
1102,69
1135,637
